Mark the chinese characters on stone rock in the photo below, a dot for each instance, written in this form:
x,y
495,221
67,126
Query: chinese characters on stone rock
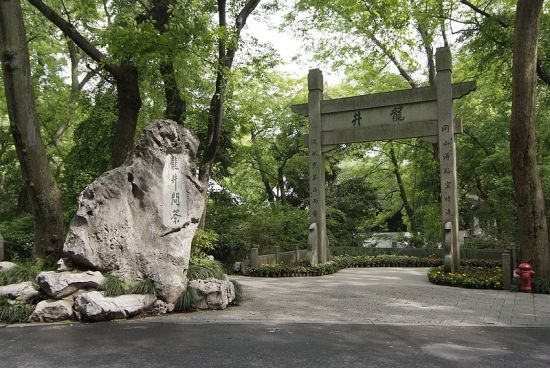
x,y
173,188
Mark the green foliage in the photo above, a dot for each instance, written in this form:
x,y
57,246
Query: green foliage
x,y
146,286
203,243
201,269
18,234
238,292
25,271
472,277
113,286
230,249
16,312
187,300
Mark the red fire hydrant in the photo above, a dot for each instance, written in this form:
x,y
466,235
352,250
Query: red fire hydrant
x,y
525,273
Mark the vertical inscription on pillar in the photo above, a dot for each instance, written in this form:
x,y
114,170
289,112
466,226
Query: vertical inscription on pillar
x,y
173,191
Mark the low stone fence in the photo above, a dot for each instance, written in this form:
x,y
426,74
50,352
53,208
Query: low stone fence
x,y
278,257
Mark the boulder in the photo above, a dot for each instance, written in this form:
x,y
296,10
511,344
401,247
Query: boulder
x,y
52,311
96,307
23,291
58,285
137,221
4,266
213,293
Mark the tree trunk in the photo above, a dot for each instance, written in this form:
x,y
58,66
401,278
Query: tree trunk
x,y
402,192
38,178
129,104
215,113
531,212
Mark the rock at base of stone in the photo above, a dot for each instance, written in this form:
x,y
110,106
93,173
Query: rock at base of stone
x,y
5,266
96,307
137,221
52,311
24,291
161,307
213,293
59,285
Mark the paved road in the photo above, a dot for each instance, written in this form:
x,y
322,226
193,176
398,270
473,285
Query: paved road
x,y
355,318
381,296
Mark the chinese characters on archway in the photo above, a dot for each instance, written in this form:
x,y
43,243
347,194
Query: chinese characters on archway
x,y
173,191
396,115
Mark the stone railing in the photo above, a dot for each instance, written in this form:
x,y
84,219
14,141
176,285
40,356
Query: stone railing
x,y
278,257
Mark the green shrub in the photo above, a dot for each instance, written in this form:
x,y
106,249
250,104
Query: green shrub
x,y
187,300
472,277
230,249
14,313
18,238
203,243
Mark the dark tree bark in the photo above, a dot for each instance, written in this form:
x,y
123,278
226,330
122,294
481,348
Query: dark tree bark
x,y
531,212
175,105
215,112
125,74
402,192
39,181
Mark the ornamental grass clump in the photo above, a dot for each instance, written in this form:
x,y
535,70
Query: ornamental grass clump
x,y
26,271
202,269
472,277
14,312
146,286
187,300
113,286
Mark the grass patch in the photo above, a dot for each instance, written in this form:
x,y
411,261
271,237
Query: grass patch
x,y
26,271
14,313
187,300
238,292
201,269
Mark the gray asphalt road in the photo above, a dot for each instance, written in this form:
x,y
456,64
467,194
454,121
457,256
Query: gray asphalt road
x,y
154,343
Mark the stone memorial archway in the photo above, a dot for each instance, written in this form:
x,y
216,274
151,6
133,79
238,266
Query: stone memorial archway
x,y
425,113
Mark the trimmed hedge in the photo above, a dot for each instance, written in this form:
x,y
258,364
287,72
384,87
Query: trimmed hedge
x,y
339,262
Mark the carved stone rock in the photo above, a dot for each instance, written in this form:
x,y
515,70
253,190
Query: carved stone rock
x,y
96,307
58,285
137,221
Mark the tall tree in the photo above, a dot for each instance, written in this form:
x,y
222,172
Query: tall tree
x,y
533,226
127,82
226,55
41,186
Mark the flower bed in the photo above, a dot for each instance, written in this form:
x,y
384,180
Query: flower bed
x,y
386,261
302,269
472,277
